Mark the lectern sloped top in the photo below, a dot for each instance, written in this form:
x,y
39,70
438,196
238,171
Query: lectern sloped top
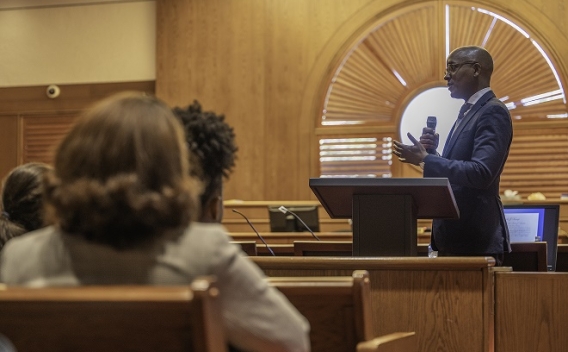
x,y
433,197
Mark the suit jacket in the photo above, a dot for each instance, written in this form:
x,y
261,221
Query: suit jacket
x,y
473,160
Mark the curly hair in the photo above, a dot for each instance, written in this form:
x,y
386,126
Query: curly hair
x,y
22,200
212,142
122,174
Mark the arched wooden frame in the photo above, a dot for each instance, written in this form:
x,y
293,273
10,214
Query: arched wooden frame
x,y
314,103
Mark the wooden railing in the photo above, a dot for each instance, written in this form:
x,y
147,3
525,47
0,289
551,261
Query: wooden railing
x,y
448,302
335,229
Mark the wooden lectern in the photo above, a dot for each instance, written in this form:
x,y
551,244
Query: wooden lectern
x,y
385,210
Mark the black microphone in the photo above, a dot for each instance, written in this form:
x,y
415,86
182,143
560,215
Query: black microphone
x,y
258,234
431,122
286,211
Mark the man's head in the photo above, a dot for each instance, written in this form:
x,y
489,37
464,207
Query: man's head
x,y
212,142
468,70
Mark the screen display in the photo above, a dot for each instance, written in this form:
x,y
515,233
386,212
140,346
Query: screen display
x,y
281,222
525,224
532,222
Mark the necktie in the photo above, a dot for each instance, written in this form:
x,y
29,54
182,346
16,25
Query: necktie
x,y
465,107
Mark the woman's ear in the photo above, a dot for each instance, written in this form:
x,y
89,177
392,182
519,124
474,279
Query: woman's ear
x,y
213,210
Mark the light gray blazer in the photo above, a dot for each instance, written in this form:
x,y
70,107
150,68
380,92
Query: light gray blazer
x,y
257,317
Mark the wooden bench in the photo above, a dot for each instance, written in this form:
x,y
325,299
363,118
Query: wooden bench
x,y
447,302
323,248
249,247
562,258
290,237
531,312
340,313
278,250
529,256
113,318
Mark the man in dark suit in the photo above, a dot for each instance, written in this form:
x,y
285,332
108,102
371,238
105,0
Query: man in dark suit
x,y
473,159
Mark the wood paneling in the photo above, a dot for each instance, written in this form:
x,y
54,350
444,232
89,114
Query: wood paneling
x,y
250,60
9,142
530,312
448,302
42,134
262,64
31,124
73,97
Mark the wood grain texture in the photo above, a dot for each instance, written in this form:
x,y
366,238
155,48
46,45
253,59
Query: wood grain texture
x,y
338,310
31,124
119,318
446,301
9,142
530,312
266,67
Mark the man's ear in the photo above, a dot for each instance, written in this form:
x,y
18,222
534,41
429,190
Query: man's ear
x,y
476,70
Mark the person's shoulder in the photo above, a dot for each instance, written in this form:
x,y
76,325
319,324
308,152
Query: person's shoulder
x,y
491,105
490,99
205,237
33,240
200,229
27,257
203,247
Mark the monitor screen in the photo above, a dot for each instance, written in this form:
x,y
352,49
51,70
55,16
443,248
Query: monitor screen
x,y
281,222
533,222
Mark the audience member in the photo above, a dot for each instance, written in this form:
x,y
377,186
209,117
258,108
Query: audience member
x,y
122,196
212,142
22,202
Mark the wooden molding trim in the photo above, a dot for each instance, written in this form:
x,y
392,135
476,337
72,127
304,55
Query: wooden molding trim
x,y
73,97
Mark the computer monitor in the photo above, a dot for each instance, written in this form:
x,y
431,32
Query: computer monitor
x,y
535,222
285,222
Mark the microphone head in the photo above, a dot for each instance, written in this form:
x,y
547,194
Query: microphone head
x,y
431,122
234,210
283,209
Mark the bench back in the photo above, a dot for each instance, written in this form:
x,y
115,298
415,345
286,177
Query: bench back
x,y
529,256
338,308
323,248
113,318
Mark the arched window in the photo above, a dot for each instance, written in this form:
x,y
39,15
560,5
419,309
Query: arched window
x,y
403,57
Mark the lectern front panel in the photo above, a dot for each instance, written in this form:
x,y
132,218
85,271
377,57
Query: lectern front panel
x,y
384,225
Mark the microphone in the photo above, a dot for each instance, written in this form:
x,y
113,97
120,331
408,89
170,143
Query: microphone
x,y
258,234
431,122
286,211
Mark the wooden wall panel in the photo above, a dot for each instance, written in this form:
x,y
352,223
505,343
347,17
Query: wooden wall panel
x,y
28,115
8,144
250,60
530,312
41,135
262,63
213,51
447,302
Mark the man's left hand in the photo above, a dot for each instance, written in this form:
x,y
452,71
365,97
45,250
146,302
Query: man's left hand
x,y
412,154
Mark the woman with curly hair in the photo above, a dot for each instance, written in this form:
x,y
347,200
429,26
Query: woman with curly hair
x,y
122,198
22,201
211,142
